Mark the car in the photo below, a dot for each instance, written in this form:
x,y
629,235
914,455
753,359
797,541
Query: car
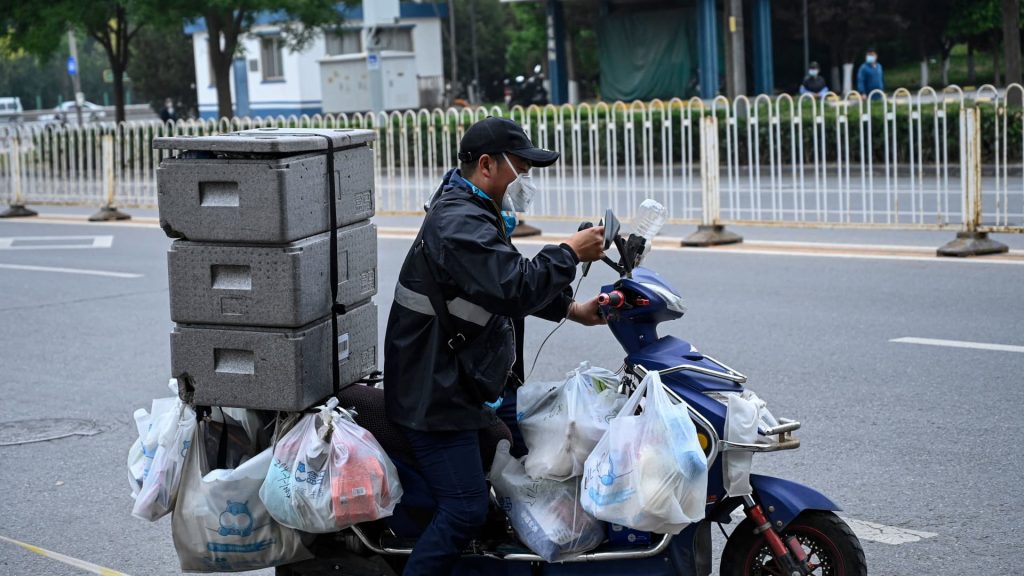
x,y
10,108
67,112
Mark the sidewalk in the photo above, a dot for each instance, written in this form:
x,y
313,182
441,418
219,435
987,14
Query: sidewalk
x,y
774,238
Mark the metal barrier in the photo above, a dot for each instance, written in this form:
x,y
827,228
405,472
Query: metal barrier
x,y
880,160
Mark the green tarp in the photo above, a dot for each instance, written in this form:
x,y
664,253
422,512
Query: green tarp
x,y
647,54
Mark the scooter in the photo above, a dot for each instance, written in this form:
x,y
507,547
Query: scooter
x,y
787,529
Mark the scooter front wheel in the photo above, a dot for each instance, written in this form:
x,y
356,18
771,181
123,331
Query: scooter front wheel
x,y
831,547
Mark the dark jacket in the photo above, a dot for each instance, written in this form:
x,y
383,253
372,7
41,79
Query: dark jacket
x,y
814,85
489,286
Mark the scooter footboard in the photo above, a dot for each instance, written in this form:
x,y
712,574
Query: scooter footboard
x,y
783,500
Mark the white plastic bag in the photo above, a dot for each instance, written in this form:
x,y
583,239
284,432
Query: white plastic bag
x,y
648,472
326,478
220,523
175,433
545,514
138,459
562,422
744,412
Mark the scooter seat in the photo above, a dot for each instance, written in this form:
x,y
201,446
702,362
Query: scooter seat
x,y
368,402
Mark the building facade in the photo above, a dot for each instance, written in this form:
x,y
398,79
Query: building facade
x,y
269,79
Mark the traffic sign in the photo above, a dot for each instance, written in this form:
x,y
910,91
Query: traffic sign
x,y
373,61
72,66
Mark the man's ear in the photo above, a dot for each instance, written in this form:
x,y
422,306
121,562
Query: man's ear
x,y
487,166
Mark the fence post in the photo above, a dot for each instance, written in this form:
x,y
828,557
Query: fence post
x,y
108,211
17,208
710,232
969,241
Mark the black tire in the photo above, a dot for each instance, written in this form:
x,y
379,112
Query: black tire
x,y
828,541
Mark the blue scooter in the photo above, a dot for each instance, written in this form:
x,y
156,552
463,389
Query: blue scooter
x,y
788,529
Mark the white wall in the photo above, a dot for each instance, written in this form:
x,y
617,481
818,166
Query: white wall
x,y
301,89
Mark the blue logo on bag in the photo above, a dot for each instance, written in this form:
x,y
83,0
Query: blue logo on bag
x,y
311,477
184,447
236,520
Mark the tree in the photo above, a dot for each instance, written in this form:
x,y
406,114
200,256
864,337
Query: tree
x,y
111,23
227,20
846,27
164,67
926,21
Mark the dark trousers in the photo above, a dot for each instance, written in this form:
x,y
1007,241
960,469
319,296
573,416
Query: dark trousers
x,y
450,463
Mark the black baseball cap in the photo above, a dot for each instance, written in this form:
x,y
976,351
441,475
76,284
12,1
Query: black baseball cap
x,y
497,135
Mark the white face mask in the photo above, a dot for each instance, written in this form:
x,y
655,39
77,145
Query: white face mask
x,y
520,192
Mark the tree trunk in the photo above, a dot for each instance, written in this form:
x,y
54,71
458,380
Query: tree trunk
x,y
971,79
1011,47
995,63
220,24
924,72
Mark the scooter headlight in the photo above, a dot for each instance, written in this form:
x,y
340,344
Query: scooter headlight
x,y
674,301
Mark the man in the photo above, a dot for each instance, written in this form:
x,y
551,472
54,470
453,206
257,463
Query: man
x,y
869,76
464,251
168,113
814,83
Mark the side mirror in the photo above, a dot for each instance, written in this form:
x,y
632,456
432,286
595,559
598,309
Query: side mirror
x,y
611,228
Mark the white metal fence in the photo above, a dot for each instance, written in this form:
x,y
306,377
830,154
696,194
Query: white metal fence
x,y
884,160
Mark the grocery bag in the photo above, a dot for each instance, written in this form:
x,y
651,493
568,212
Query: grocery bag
x,y
648,471
328,473
744,412
220,524
545,514
175,435
562,422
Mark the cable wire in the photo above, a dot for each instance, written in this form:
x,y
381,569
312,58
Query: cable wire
x,y
555,329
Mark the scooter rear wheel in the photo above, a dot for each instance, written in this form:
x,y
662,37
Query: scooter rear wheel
x,y
830,545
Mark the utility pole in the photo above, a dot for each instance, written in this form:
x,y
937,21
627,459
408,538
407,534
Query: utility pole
x,y
807,41
73,71
475,96
737,77
452,53
1011,46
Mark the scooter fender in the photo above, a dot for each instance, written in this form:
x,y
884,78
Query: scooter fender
x,y
783,500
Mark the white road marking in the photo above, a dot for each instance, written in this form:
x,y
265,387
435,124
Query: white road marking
x,y
70,271
959,344
55,242
886,534
871,531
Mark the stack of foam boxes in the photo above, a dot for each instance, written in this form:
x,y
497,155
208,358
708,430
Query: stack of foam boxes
x,y
250,271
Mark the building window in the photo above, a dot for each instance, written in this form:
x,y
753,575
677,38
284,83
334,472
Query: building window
x,y
344,42
398,39
270,52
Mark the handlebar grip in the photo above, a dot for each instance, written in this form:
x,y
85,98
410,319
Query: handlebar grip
x,y
615,299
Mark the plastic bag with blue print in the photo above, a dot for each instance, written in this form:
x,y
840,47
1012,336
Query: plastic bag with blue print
x,y
648,472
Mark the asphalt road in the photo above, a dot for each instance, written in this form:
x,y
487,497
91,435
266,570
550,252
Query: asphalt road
x,y
917,437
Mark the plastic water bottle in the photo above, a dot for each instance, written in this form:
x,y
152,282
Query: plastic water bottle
x,y
649,219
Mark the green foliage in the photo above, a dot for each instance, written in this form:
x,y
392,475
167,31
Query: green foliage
x,y
164,67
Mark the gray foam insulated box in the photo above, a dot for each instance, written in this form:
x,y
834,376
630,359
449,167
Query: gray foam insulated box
x,y
273,369
264,185
285,285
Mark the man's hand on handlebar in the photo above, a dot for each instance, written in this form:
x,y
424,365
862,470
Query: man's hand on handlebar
x,y
587,313
588,244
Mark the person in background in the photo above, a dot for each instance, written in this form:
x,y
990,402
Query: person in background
x,y
168,113
869,76
813,83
